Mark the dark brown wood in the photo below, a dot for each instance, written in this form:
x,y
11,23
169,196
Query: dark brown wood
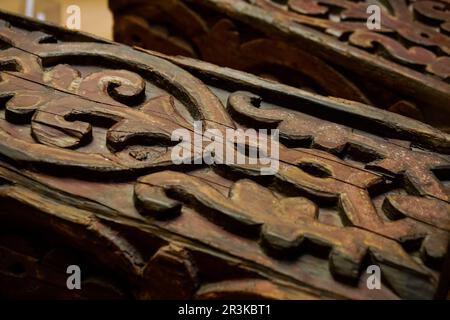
x,y
87,178
320,46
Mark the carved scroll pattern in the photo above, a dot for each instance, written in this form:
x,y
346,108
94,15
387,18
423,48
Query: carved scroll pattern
x,y
199,29
414,33
56,100
284,225
334,169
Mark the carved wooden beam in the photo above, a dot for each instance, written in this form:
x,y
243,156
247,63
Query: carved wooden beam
x,y
321,46
87,178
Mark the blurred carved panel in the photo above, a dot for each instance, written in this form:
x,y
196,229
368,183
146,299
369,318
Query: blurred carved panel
x,y
321,46
87,179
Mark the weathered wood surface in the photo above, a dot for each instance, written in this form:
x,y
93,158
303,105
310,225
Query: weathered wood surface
x,y
320,46
86,178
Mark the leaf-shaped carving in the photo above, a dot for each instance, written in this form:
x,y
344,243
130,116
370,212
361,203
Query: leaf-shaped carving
x,y
282,224
63,104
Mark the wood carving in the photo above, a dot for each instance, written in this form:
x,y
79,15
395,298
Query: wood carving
x,y
320,46
87,178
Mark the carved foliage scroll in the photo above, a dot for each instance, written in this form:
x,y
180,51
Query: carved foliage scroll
x,y
341,197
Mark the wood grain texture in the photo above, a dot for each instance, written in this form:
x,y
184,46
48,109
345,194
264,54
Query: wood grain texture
x,y
86,178
320,46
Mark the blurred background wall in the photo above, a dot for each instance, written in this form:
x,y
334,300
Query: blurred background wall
x,y
95,16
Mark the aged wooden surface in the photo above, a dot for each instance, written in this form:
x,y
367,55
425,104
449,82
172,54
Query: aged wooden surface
x,y
86,178
321,46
